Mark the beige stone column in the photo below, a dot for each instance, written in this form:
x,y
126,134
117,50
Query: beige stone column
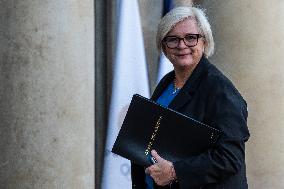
x,y
249,39
46,94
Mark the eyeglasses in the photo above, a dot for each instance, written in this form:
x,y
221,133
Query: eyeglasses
x,y
190,40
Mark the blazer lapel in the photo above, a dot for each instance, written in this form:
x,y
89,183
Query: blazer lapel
x,y
162,85
185,94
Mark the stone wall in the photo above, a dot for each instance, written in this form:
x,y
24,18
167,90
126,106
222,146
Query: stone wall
x,y
46,94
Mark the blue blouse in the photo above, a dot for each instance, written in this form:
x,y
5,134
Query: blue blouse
x,y
165,99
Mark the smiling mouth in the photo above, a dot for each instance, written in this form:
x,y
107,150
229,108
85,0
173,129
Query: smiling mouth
x,y
182,55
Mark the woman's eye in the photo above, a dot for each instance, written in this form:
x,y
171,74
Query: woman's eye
x,y
190,37
173,39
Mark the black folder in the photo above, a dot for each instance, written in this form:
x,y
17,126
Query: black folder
x,y
148,125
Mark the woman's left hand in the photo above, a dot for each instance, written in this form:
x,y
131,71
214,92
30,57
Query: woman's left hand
x,y
162,172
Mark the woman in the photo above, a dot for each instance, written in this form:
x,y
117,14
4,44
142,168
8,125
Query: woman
x,y
197,89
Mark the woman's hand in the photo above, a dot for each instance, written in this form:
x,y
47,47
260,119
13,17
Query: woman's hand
x,y
162,172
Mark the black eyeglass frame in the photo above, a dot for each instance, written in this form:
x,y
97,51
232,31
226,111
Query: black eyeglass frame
x,y
182,38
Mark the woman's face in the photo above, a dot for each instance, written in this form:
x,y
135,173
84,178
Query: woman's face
x,y
183,56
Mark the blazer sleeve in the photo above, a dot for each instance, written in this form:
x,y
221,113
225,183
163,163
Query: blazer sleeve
x,y
227,111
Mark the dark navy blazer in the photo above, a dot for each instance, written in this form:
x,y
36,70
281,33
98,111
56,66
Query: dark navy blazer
x,y
210,97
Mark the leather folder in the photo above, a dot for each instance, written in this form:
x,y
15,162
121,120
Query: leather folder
x,y
148,125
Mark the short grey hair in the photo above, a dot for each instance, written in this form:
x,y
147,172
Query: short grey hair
x,y
179,14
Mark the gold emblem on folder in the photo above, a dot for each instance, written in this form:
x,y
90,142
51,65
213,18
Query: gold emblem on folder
x,y
153,136
212,135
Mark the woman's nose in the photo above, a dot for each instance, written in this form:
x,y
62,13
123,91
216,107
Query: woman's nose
x,y
181,44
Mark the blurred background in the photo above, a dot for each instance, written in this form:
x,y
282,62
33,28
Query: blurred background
x,y
57,65
249,50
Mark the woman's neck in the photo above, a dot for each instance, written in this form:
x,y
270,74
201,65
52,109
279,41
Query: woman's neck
x,y
181,76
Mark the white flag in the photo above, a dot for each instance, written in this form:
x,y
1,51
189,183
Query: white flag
x,y
130,77
165,66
